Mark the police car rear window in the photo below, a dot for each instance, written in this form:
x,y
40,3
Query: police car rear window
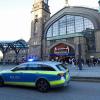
x,y
40,67
61,67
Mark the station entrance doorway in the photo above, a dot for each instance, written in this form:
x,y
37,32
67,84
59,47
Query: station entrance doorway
x,y
61,52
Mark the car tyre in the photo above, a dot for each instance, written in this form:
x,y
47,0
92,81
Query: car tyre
x,y
42,85
1,82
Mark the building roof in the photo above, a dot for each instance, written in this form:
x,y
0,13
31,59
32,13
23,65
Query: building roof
x,y
14,45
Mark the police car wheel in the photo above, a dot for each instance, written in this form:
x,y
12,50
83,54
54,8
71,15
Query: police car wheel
x,y
1,82
42,85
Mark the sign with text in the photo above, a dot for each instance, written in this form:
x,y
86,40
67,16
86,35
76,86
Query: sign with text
x,y
62,48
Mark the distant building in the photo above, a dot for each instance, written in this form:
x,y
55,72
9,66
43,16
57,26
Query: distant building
x,y
71,32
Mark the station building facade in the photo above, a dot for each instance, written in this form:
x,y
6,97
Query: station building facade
x,y
70,28
71,32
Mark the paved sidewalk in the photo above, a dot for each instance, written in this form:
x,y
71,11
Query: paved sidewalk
x,y
86,74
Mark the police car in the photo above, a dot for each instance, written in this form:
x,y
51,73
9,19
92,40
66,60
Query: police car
x,y
41,74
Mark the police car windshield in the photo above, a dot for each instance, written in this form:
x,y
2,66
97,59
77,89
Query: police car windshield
x,y
61,67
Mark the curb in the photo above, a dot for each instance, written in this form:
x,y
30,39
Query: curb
x,y
85,79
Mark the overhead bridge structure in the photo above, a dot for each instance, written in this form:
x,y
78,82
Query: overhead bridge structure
x,y
15,46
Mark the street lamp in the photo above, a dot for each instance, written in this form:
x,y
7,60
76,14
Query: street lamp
x,y
79,56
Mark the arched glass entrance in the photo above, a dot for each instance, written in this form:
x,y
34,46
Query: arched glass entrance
x,y
61,52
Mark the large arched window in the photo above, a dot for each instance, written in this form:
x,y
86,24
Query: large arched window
x,y
62,25
69,24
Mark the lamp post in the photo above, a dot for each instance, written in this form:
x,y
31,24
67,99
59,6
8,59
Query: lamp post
x,y
79,55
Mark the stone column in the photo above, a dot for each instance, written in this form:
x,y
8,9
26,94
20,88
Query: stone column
x,y
97,40
82,42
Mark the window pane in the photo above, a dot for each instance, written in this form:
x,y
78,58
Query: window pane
x,y
62,24
55,29
49,33
45,68
79,24
32,66
61,67
88,24
70,24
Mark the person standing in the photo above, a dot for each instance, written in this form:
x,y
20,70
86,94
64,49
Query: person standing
x,y
73,62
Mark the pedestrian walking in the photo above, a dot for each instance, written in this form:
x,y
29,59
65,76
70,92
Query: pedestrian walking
x,y
88,62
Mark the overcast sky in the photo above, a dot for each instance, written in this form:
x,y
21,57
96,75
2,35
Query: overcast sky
x,y
15,16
